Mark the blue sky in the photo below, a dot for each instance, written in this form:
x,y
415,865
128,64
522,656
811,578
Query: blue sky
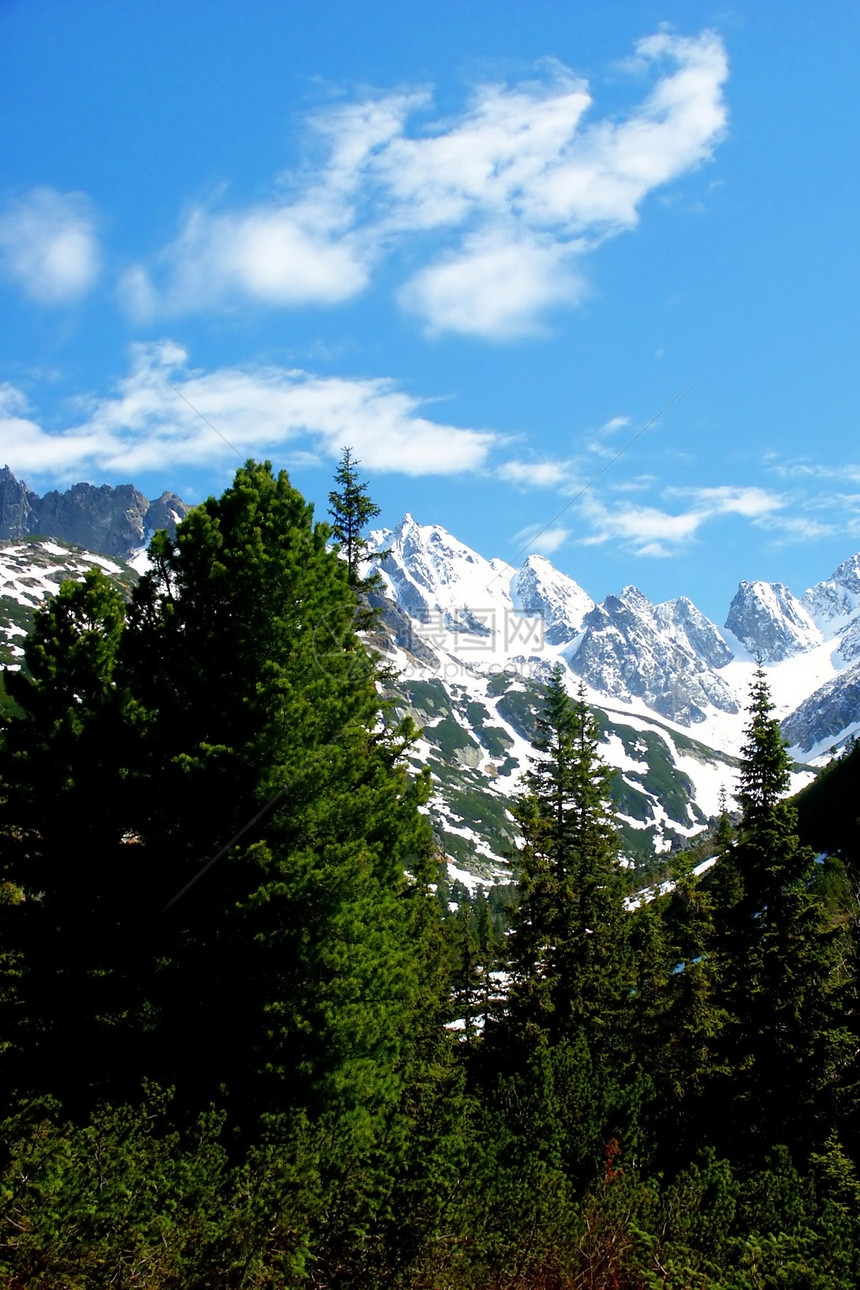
x,y
484,243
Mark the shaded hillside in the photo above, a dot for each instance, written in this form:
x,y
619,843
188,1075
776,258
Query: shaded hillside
x,y
828,809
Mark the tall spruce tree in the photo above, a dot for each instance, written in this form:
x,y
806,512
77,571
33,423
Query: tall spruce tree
x,y
292,972
778,1053
556,1056
569,944
259,780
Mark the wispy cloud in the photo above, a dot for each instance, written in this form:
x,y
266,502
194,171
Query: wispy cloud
x,y
646,530
651,531
543,542
848,472
259,410
799,528
753,502
547,473
48,245
501,201
568,474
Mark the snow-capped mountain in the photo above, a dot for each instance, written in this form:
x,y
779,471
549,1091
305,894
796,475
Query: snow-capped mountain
x,y
668,660
770,622
473,640
666,655
429,574
479,637
30,572
835,602
539,591
831,714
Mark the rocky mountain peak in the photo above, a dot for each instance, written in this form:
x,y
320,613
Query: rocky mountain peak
x,y
111,520
848,574
682,619
539,590
428,571
630,647
837,597
770,621
17,504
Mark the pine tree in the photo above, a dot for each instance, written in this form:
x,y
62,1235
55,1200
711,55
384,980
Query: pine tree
x,y
774,960
212,745
352,510
677,1014
292,971
570,970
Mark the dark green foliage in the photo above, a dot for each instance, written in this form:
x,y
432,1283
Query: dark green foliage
x,y
568,948
234,715
216,876
828,814
262,740
65,848
475,936
775,961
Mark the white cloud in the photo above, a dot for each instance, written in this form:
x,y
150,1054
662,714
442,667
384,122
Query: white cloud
x,y
751,502
48,245
536,474
502,201
649,531
261,411
545,541
274,256
645,528
496,286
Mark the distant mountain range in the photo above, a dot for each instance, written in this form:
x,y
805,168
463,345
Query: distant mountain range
x,y
473,640
665,660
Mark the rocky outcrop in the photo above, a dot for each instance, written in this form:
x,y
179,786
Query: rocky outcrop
x,y
770,622
689,625
837,597
103,519
17,504
827,714
540,591
630,647
165,512
113,521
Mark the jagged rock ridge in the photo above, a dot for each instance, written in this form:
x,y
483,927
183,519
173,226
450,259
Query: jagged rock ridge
x,y
113,521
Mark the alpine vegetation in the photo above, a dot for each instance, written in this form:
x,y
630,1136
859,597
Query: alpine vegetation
x,y
256,1031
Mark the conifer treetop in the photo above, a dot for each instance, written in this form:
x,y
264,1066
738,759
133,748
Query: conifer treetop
x,y
766,774
351,510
